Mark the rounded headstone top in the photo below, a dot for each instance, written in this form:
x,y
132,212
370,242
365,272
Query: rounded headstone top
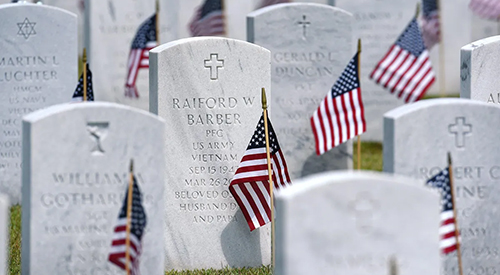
x,y
276,7
66,107
434,103
322,180
481,43
205,40
45,8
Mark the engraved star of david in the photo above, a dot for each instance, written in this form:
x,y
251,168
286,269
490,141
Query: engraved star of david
x,y
26,28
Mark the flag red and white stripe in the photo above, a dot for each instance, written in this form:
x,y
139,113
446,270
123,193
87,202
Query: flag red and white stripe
x,y
447,230
340,116
145,39
448,241
138,59
250,184
406,69
117,251
208,19
137,224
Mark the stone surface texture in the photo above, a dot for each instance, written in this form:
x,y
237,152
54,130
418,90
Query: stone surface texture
x,y
310,45
75,175
209,92
110,27
378,23
417,139
38,68
353,223
479,70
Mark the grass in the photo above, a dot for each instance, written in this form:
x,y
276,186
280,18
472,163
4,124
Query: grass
x,y
371,160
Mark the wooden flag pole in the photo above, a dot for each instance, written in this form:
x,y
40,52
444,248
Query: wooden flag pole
x,y
359,75
393,266
158,22
442,72
84,60
459,253
269,171
129,217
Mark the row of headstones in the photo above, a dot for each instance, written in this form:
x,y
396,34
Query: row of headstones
x,y
340,221
110,27
187,105
305,62
74,180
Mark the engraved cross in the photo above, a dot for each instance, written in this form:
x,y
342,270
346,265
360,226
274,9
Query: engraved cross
x,y
214,64
460,129
304,24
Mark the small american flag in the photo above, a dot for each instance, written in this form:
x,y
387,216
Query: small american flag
x,y
137,225
487,9
250,184
266,3
447,231
406,68
431,29
78,94
208,19
340,116
144,41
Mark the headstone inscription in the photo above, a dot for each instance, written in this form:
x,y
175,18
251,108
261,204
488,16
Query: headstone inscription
x,y
236,12
354,223
110,29
74,185
310,44
34,73
209,92
4,233
416,144
479,70
378,23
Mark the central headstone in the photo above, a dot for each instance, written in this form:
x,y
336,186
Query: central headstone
x,y
480,69
75,175
354,223
4,233
378,23
311,45
417,138
38,68
208,91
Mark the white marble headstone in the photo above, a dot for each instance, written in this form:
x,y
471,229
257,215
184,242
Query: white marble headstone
x,y
311,44
235,15
110,27
75,175
76,7
378,23
417,138
4,234
480,70
354,223
38,68
209,92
